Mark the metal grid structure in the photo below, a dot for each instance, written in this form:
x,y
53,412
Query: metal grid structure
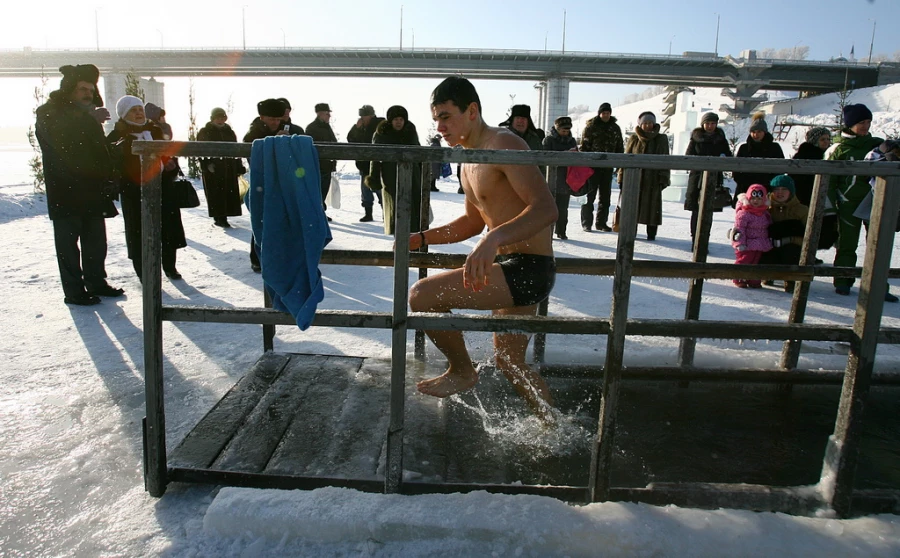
x,y
835,489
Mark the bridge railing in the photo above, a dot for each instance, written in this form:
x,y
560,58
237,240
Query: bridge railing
x,y
835,490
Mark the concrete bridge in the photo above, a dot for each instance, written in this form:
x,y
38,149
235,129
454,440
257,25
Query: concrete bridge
x,y
741,77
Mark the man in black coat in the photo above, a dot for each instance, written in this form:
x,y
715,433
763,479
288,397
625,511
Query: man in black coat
x,y
320,131
78,174
362,132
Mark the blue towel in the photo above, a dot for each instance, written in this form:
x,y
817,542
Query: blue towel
x,y
289,226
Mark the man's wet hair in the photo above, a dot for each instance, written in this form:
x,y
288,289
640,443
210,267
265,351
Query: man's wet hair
x,y
457,90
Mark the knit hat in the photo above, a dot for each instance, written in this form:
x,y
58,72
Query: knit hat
x,y
82,72
709,116
127,103
646,116
217,112
396,111
367,110
287,104
783,181
323,107
854,114
152,111
270,107
813,134
604,107
759,123
757,187
563,122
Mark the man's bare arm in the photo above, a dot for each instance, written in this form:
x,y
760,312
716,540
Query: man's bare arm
x,y
462,228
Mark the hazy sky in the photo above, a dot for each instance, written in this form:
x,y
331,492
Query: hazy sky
x,y
828,27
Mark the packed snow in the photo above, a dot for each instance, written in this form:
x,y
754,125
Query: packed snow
x,y
72,400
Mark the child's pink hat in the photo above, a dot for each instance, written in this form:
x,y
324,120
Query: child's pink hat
x,y
759,187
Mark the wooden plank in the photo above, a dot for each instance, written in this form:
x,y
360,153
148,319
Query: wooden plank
x,y
155,466
421,154
252,446
687,345
304,448
601,454
323,318
842,450
790,352
799,500
202,445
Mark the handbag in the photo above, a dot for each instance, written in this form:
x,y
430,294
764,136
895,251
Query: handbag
x,y
722,198
576,178
616,225
181,193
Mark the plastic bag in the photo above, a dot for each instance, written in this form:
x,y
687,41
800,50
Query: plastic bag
x,y
576,178
333,197
243,186
446,170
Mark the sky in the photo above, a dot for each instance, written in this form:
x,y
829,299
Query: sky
x,y
828,27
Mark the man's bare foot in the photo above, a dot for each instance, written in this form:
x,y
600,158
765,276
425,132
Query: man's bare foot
x,y
450,382
531,387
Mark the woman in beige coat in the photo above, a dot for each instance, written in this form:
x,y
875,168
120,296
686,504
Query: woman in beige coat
x,y
646,139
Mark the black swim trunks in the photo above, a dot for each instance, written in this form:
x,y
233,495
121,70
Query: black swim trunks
x,y
530,277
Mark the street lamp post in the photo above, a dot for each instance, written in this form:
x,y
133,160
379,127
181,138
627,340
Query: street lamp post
x,y
161,45
283,39
670,44
872,44
96,28
244,26
716,50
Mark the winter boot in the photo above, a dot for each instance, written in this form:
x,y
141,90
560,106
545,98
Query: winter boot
x,y
367,217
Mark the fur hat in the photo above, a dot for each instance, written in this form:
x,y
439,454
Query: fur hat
x,y
323,107
813,134
152,111
759,123
367,110
217,112
520,110
604,107
563,122
271,107
127,103
646,116
709,116
82,72
854,114
396,111
783,181
286,103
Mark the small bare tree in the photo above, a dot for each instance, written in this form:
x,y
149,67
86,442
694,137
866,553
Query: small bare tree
x,y
732,135
36,163
843,100
193,163
133,84
229,105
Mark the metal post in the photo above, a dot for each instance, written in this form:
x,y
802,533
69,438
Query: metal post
x,y
155,443
872,44
393,474
425,185
716,50
244,26
842,450
601,454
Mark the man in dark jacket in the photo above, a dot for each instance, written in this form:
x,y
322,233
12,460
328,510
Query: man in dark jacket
x,y
362,132
601,135
560,139
320,131
269,123
520,123
78,174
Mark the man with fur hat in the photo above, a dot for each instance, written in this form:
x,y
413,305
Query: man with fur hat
x,y
601,135
847,192
396,129
362,132
78,174
560,139
320,131
269,123
520,123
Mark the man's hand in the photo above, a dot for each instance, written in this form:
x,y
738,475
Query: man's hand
x,y
359,123
100,114
477,271
283,133
415,241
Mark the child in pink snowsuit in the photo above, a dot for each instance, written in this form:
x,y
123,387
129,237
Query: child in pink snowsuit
x,y
751,231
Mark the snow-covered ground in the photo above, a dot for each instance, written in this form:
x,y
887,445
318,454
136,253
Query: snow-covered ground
x,y
71,403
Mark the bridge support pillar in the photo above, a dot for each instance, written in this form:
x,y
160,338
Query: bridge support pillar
x,y
747,82
114,89
554,96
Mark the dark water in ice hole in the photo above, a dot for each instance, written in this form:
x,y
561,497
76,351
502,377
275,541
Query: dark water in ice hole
x,y
707,432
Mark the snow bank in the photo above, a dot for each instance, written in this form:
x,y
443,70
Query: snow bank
x,y
503,525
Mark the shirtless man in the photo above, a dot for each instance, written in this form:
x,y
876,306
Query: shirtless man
x,y
510,270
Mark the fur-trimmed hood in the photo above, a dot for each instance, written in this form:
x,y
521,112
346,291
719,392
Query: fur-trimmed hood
x,y
386,134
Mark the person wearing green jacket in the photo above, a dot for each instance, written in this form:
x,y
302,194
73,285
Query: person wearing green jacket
x,y
846,192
